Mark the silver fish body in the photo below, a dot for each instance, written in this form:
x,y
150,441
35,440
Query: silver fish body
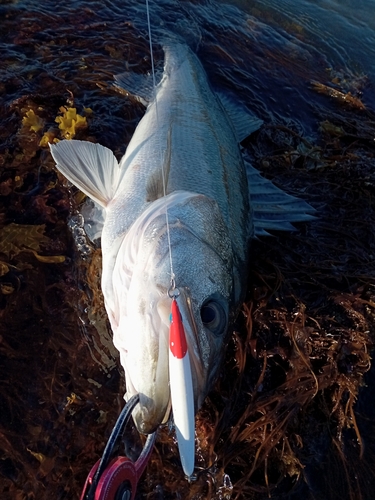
x,y
187,132
186,137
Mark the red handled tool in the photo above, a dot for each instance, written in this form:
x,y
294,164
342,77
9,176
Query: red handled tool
x,y
116,478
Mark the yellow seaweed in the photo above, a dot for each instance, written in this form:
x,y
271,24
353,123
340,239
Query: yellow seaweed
x,y
70,121
49,259
48,138
4,268
16,238
39,456
6,288
33,121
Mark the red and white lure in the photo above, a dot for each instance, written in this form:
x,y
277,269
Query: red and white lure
x,y
181,386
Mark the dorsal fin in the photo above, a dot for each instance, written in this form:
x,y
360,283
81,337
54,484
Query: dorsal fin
x,y
91,167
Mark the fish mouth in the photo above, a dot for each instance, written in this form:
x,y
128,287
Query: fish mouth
x,y
148,415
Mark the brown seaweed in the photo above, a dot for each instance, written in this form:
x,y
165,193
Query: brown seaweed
x,y
290,415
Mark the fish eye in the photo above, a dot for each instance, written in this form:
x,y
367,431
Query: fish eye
x,y
214,317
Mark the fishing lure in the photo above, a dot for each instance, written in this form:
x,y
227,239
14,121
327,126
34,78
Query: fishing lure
x,y
181,386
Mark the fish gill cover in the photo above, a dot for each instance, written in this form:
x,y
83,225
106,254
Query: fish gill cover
x,y
291,413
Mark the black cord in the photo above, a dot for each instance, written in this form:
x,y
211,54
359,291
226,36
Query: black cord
x,y
117,432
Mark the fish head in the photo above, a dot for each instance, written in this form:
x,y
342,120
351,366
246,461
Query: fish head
x,y
196,241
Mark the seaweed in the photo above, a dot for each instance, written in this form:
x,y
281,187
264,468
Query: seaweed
x,y
291,414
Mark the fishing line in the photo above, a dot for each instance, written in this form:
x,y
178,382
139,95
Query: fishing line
x,y
180,376
172,287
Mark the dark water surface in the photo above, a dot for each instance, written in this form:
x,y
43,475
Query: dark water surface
x,y
292,413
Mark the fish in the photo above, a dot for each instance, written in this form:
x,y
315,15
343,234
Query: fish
x,y
180,210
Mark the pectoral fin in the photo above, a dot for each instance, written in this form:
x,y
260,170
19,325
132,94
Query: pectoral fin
x,y
139,86
91,167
